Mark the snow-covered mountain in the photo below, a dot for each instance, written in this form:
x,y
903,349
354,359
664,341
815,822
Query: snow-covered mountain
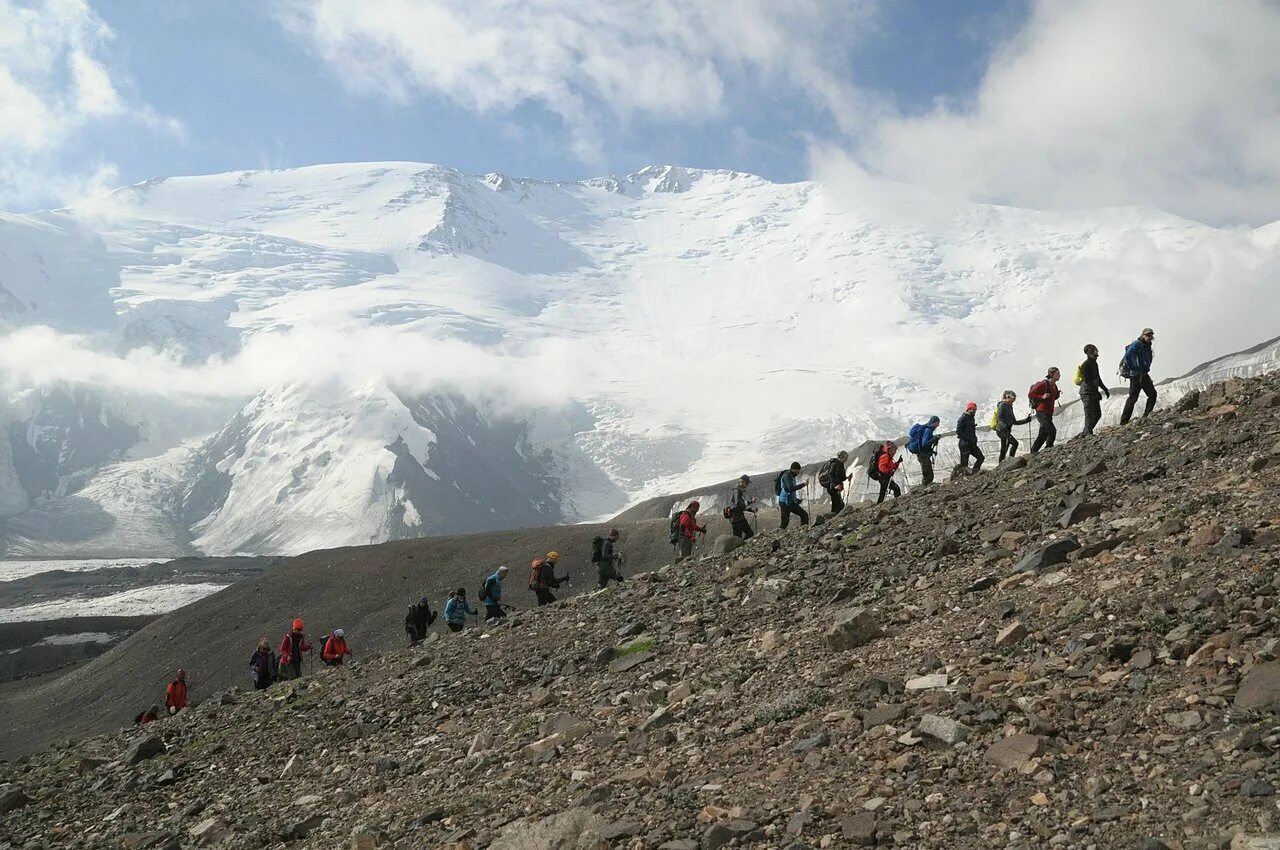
x,y
276,361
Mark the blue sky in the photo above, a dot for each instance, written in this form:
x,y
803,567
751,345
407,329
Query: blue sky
x,y
250,96
1045,103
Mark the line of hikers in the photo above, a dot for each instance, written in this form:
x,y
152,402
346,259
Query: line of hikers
x,y
922,441
266,666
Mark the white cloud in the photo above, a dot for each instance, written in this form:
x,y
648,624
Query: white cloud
x,y
591,63
55,83
1170,103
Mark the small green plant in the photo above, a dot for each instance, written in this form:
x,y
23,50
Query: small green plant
x,y
638,645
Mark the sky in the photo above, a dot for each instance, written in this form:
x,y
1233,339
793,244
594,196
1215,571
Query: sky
x,y
1037,103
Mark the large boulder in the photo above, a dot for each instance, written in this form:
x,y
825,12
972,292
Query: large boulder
x,y
1260,689
1040,558
12,797
572,829
854,627
145,748
725,543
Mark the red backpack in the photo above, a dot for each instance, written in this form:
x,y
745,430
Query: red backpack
x,y
535,573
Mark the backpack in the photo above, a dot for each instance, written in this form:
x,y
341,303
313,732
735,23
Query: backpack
x,y
824,473
727,513
994,424
1035,395
674,537
777,483
1079,379
873,465
913,438
535,570
324,641
1123,370
597,550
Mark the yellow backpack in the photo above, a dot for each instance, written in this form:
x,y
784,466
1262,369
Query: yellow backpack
x,y
995,418
1080,374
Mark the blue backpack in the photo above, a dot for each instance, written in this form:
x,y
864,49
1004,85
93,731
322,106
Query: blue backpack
x,y
914,437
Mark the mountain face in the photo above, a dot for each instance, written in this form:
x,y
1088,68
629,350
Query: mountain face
x,y
276,361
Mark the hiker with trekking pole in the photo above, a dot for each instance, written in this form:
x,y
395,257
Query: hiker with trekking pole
x,y
685,529
607,559
542,578
832,477
292,647
788,490
491,595
922,441
457,609
738,508
418,620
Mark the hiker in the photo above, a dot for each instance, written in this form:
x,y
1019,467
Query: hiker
x,y
1136,367
264,667
1004,420
923,443
739,507
333,648
542,578
884,465
491,595
789,495
686,529
175,695
967,436
457,609
1091,389
418,620
150,715
1044,399
832,477
607,558
292,645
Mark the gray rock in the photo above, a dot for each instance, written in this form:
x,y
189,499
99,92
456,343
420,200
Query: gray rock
x,y
883,715
1046,555
12,798
721,833
725,543
303,827
854,627
1260,688
813,742
859,830
572,829
1013,464
629,662
146,748
943,728
1255,787
1015,750
1079,513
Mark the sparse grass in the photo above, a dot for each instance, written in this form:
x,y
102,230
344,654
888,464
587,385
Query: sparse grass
x,y
637,645
791,706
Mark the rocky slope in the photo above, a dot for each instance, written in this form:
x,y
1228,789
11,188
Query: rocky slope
x,y
1076,650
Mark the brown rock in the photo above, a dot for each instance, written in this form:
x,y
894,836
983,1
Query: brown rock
x,y
1015,751
1261,688
859,830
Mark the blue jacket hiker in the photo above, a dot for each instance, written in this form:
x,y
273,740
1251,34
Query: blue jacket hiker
x,y
1136,366
788,495
457,609
922,443
491,595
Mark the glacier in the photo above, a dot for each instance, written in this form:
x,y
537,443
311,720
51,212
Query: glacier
x,y
276,361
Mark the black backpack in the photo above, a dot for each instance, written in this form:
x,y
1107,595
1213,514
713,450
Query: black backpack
x,y
824,473
873,465
674,537
597,550
777,483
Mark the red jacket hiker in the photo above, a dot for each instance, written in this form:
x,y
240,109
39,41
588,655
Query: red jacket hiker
x,y
887,464
287,642
1044,396
334,648
688,525
175,696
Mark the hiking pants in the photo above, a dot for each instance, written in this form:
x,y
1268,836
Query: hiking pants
x,y
606,573
1139,384
454,627
788,510
926,467
292,670
493,611
545,596
685,546
971,450
837,500
1047,434
1008,443
742,528
1092,403
886,484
